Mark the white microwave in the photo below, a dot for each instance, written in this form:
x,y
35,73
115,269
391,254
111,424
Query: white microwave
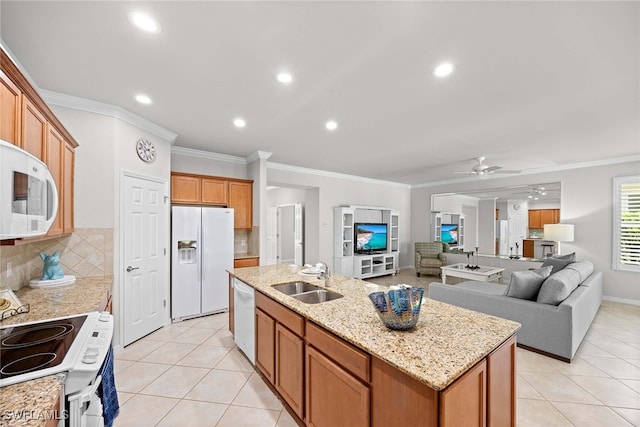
x,y
28,194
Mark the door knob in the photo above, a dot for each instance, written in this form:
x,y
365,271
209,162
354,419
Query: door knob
x,y
130,269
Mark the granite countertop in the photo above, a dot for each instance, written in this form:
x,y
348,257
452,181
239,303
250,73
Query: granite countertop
x,y
245,256
445,343
29,403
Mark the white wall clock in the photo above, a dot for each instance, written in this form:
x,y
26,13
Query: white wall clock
x,y
146,150
516,207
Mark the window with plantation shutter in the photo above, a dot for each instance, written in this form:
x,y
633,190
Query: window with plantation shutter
x,y
626,223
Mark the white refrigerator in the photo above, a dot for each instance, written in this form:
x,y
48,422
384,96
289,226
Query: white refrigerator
x,y
201,251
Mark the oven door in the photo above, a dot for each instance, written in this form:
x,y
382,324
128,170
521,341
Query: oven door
x,y
85,408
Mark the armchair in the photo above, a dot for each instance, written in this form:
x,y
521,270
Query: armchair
x,y
430,256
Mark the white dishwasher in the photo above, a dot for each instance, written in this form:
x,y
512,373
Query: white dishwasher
x,y
244,305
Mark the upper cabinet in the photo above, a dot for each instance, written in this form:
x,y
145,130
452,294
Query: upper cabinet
x,y
192,189
539,217
27,121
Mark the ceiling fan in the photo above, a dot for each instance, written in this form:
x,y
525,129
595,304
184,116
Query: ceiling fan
x,y
481,169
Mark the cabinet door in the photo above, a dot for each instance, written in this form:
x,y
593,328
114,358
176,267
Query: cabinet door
x,y
334,397
527,248
290,368
185,189
464,402
265,345
54,160
556,216
68,182
501,387
214,191
34,130
547,216
241,200
10,119
534,219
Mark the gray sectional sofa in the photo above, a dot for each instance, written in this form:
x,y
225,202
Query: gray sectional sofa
x,y
554,330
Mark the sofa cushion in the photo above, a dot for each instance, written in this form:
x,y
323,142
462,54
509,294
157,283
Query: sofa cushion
x,y
558,262
557,287
526,284
430,262
584,269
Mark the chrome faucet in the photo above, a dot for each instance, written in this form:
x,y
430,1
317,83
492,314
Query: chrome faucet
x,y
325,273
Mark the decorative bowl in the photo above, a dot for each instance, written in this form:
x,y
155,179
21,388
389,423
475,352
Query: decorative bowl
x,y
398,309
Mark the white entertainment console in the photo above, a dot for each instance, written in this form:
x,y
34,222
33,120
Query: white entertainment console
x,y
348,263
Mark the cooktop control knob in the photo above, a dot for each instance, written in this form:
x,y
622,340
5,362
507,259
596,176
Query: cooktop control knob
x,y
104,316
89,359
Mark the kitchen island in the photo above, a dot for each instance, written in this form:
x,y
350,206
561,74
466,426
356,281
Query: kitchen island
x,y
31,403
456,366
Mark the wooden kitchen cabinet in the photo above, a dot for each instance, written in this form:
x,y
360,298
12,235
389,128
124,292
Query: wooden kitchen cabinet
x,y
246,262
28,122
266,345
464,402
289,372
501,386
535,219
241,200
214,191
539,217
185,189
547,216
34,130
10,106
527,248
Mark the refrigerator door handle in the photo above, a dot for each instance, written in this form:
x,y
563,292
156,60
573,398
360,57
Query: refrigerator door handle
x,y
199,255
203,237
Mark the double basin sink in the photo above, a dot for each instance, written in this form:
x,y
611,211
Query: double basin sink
x,y
306,292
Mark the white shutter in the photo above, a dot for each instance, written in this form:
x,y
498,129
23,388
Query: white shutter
x,y
626,223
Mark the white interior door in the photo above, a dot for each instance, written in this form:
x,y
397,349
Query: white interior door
x,y
272,236
298,234
144,237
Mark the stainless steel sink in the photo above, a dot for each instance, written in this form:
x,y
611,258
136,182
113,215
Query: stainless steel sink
x,y
293,288
306,292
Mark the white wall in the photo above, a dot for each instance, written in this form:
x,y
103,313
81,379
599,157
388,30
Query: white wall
x,y
586,202
335,190
208,166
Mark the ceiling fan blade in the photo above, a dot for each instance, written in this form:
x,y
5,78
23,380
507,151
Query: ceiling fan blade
x,y
492,169
467,173
507,171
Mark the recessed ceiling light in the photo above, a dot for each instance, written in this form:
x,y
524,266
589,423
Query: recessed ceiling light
x,y
239,122
530,197
443,69
284,78
143,99
144,22
331,125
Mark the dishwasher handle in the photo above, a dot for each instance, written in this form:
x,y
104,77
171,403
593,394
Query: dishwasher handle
x,y
243,289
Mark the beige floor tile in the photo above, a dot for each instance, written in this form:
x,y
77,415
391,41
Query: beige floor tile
x,y
577,366
169,353
615,367
190,413
609,391
537,413
138,350
143,411
558,388
248,417
591,415
168,332
222,338
204,356
620,349
120,364
632,384
176,381
138,376
123,397
525,391
528,361
634,362
215,321
631,415
286,420
588,349
235,361
219,386
256,394
194,335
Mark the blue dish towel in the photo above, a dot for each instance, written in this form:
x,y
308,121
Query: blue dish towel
x,y
107,390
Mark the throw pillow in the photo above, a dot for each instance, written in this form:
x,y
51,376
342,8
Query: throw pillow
x,y
526,284
557,287
558,262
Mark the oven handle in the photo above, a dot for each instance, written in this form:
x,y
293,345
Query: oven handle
x,y
86,394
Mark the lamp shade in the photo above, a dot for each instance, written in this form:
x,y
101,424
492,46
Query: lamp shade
x,y
558,232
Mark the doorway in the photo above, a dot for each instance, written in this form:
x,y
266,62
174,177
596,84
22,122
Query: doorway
x,y
285,231
144,263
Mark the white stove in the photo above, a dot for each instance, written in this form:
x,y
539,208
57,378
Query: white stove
x,y
75,345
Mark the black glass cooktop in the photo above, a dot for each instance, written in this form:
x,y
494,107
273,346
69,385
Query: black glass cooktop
x,y
28,348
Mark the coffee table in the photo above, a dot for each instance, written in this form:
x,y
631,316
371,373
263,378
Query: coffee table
x,y
485,274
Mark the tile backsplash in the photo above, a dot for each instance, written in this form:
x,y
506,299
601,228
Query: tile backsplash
x,y
86,252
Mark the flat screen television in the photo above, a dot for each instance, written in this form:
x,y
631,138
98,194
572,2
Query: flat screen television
x,y
370,237
449,234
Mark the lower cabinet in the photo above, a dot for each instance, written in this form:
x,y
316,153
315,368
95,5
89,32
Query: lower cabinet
x,y
266,345
290,368
334,396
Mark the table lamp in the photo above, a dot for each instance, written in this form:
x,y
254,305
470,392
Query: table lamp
x,y
558,233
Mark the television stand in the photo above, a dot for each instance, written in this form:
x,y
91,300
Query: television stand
x,y
365,266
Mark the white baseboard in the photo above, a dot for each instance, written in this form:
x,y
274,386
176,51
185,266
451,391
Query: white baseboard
x,y
622,300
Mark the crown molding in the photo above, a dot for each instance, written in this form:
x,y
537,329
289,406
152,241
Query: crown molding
x,y
264,155
209,155
318,172
88,105
557,168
